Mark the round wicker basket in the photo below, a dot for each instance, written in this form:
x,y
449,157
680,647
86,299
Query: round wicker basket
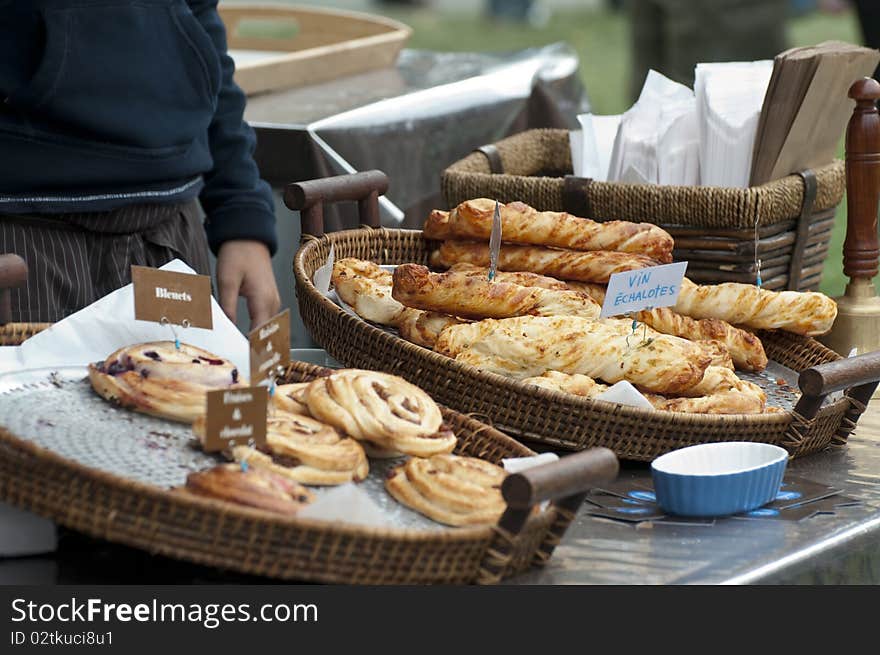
x,y
548,417
252,541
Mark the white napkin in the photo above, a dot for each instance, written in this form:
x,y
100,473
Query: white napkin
x,y
591,146
664,117
346,503
625,394
94,332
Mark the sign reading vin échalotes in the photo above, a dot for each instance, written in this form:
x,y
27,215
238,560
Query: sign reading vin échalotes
x,y
633,291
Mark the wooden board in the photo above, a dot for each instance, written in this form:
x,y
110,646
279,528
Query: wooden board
x,y
280,47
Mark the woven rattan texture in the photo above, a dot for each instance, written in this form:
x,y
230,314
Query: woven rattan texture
x,y
12,334
534,159
549,417
255,542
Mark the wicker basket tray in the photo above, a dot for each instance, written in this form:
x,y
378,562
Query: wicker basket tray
x,y
720,232
147,516
548,417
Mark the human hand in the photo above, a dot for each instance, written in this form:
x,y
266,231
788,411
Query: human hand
x,y
244,268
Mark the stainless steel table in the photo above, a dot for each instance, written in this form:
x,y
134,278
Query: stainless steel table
x,y
843,548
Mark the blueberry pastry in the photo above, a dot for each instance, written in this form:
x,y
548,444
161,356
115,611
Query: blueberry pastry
x,y
160,379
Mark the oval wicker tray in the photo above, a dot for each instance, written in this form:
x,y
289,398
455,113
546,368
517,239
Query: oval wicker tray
x,y
233,537
549,417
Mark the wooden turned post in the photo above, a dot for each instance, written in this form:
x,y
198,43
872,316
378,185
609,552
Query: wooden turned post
x,y
861,249
856,329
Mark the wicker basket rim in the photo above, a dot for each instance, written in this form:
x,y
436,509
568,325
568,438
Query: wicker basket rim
x,y
686,420
156,493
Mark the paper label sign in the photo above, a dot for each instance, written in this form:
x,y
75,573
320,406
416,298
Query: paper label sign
x,y
179,298
236,416
633,291
270,346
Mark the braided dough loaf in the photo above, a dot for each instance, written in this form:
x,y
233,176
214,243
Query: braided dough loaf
x,y
746,350
382,409
808,313
422,328
366,288
451,489
523,224
522,278
595,266
161,380
741,397
254,488
472,296
527,346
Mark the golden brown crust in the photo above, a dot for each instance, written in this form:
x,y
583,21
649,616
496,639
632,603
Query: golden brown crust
x,y
471,296
253,488
383,409
523,224
437,225
450,489
745,349
366,288
291,398
714,397
423,328
596,266
161,380
522,278
808,313
528,346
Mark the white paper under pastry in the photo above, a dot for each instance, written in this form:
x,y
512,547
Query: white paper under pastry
x,y
347,503
94,332
625,394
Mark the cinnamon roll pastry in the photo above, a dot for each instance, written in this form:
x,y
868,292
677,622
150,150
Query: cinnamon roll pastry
x,y
161,380
472,296
253,487
745,349
523,224
527,346
593,266
382,409
290,398
808,313
522,278
366,288
422,328
450,489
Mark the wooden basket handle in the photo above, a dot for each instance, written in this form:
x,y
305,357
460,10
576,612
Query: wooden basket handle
x,y
13,273
566,482
859,375
309,197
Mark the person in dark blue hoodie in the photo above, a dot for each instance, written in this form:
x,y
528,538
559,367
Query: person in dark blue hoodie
x,y
120,126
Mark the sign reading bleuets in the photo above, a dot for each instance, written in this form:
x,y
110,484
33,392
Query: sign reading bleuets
x,y
270,346
180,298
633,291
236,416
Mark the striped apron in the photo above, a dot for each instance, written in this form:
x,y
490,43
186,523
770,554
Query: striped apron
x,y
75,259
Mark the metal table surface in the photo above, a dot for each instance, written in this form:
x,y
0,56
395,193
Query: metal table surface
x,y
843,548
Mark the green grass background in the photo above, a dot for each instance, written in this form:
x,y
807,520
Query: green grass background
x,y
601,39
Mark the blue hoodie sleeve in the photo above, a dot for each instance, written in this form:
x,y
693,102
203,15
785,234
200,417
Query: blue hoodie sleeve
x,y
238,204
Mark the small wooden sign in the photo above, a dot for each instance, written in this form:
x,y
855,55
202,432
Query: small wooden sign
x,y
270,346
180,298
236,416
